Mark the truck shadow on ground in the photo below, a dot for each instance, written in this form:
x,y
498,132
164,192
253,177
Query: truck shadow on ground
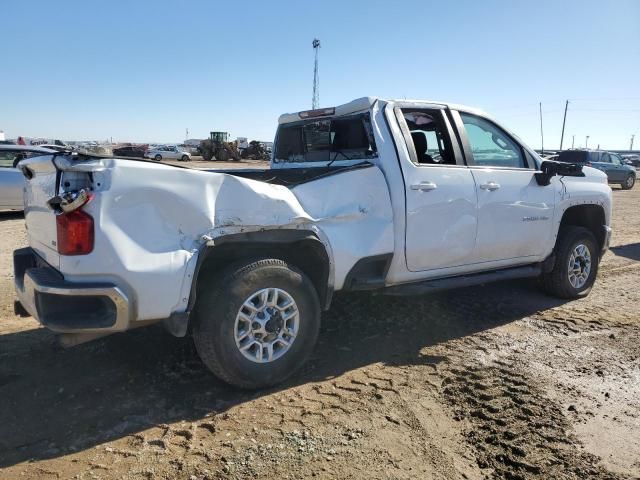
x,y
630,251
10,215
54,402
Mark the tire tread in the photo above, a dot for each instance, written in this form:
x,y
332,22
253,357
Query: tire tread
x,y
217,286
554,282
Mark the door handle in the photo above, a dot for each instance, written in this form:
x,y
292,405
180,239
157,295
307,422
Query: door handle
x,y
491,186
424,186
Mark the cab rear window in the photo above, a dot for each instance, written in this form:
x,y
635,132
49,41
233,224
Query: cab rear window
x,y
326,140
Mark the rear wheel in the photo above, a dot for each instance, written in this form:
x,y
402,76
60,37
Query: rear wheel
x,y
256,323
629,182
576,265
157,158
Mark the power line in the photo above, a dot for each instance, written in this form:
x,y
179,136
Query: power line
x,y
606,109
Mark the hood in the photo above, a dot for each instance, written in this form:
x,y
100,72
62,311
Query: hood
x,y
593,175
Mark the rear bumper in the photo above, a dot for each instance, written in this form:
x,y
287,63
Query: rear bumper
x,y
67,307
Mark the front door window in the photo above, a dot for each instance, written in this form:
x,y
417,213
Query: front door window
x,y
490,145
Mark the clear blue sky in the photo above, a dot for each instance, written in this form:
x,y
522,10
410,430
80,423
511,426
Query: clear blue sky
x,y
146,70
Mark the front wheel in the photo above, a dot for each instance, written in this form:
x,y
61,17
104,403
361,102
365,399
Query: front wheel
x,y
185,158
157,158
576,264
222,156
629,182
256,323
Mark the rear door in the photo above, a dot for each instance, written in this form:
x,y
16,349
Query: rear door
x,y
440,197
515,214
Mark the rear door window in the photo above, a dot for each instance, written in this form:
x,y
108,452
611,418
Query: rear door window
x,y
6,159
10,158
428,136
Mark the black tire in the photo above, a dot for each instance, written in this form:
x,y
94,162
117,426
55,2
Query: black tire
x,y
222,155
629,182
185,158
220,298
557,281
157,158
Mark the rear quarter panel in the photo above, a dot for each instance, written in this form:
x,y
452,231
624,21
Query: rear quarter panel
x,y
153,219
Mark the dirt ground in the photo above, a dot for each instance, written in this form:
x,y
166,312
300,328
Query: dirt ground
x,y
497,381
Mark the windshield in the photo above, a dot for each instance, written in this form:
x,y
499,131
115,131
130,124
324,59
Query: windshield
x,y
327,140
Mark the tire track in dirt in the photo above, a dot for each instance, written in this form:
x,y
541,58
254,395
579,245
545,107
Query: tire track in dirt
x,y
515,430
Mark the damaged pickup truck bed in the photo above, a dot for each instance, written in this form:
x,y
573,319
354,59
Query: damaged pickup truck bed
x,y
403,197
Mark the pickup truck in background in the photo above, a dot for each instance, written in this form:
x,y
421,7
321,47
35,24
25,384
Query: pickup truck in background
x,y
402,197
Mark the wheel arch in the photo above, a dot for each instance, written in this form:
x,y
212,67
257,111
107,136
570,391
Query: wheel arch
x,y
588,215
301,248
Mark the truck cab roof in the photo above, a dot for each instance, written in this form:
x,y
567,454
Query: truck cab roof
x,y
363,104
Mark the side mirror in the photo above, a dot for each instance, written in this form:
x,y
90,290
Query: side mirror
x,y
548,169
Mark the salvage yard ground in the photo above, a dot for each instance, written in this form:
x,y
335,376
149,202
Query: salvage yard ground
x,y
495,381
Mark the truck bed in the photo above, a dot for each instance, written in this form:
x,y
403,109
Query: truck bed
x,y
290,177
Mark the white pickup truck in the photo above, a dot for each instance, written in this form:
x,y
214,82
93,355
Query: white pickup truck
x,y
403,197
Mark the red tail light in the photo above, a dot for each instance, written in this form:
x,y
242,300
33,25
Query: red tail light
x,y
75,233
588,164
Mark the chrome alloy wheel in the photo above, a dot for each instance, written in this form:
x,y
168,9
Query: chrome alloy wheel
x,y
266,325
579,266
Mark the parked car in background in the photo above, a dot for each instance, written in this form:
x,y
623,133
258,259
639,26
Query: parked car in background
x,y
168,153
192,149
11,179
610,163
633,160
136,151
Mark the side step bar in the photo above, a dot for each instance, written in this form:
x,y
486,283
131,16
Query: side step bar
x,y
430,286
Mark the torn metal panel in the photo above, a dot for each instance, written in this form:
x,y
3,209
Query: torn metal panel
x,y
152,229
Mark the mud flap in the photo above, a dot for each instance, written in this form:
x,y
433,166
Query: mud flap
x,y
177,324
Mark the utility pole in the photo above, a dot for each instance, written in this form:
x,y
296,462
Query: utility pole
x,y
631,146
566,105
315,100
573,140
541,131
586,141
